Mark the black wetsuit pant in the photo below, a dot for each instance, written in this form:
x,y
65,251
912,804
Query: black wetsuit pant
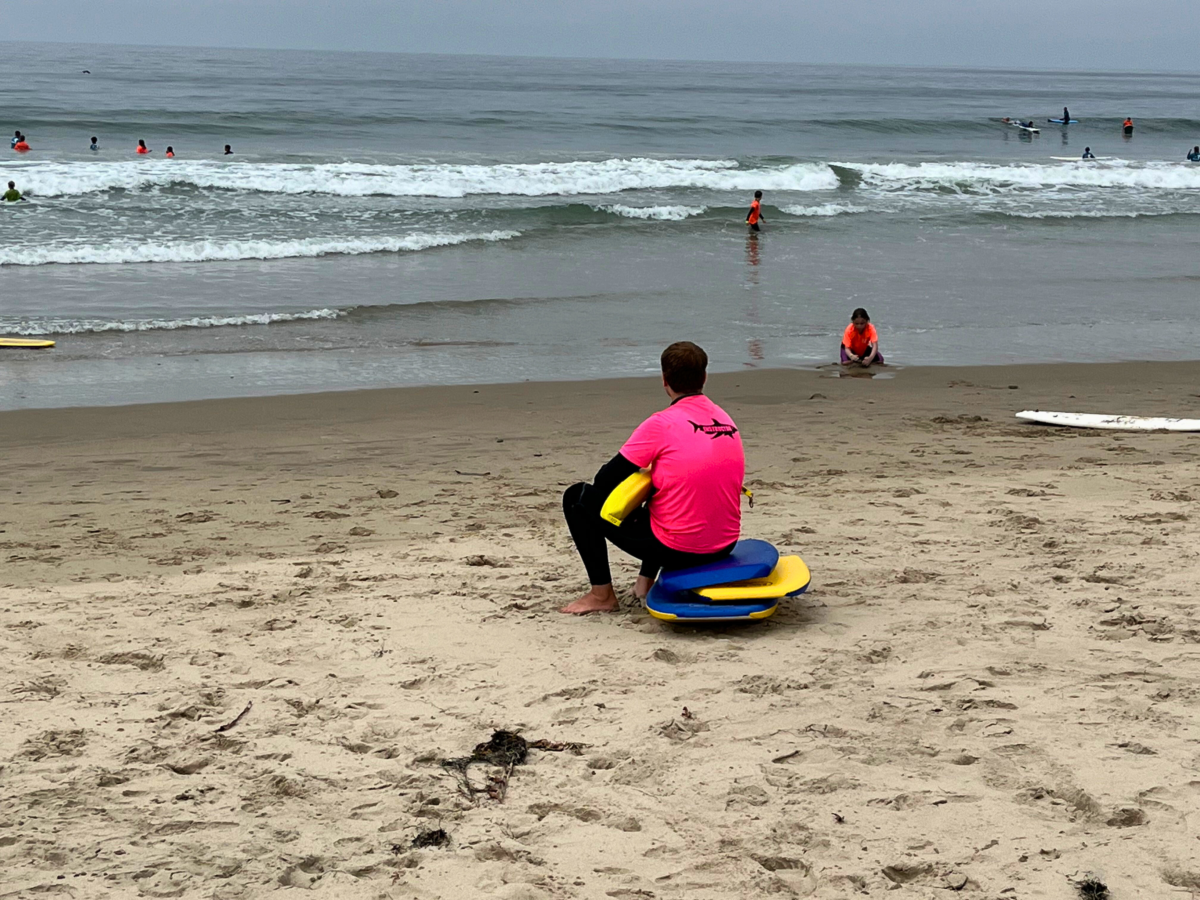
x,y
581,506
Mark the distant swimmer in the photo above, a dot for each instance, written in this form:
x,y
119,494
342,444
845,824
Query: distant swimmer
x,y
755,215
12,194
95,144
20,144
860,342
170,154
228,150
86,72
17,138
1194,156
142,148
1127,127
1088,154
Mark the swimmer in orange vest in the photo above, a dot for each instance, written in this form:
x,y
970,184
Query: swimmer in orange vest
x,y
19,143
1128,126
755,215
142,148
170,154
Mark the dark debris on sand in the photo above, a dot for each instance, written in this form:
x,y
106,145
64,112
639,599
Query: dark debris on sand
x,y
431,837
506,750
1092,888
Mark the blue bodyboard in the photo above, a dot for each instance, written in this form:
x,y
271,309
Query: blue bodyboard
x,y
687,607
749,559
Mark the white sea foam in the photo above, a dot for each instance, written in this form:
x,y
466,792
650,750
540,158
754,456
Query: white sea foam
x,y
89,326
986,177
440,180
825,209
665,213
200,251
1087,213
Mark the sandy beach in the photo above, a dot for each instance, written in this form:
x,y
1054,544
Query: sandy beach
x,y
237,638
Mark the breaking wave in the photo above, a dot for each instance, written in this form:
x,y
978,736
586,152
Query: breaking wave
x,y
95,326
202,251
825,209
991,178
429,180
663,213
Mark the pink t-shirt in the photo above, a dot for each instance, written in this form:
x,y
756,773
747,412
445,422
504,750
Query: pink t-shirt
x,y
697,466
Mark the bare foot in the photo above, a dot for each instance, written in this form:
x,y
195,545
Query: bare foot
x,y
642,586
601,598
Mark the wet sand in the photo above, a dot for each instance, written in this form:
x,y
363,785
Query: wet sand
x,y
990,688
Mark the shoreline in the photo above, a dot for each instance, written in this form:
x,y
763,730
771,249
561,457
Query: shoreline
x,y
1042,380
989,687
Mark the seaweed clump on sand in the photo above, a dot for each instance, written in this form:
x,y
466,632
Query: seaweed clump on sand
x,y
431,837
1092,888
505,750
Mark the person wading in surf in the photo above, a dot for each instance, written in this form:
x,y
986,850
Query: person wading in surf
x,y
755,215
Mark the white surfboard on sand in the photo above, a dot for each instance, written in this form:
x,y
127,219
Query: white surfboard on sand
x,y
1113,423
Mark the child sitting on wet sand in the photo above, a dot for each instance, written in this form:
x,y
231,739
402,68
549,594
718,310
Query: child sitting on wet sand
x,y
860,342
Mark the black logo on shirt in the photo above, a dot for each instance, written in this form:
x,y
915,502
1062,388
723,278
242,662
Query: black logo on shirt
x,y
716,429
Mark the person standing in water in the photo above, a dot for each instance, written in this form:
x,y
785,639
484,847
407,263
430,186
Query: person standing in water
x,y
1127,127
95,144
142,148
860,342
755,215
12,194
1088,154
1194,156
170,154
17,138
228,150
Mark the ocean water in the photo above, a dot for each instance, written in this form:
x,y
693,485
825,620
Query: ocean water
x,y
402,219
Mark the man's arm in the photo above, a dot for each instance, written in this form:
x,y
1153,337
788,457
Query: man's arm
x,y
613,473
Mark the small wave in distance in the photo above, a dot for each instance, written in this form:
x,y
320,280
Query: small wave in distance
x,y
230,251
99,326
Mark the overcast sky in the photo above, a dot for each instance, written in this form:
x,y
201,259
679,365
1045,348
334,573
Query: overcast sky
x,y
1096,35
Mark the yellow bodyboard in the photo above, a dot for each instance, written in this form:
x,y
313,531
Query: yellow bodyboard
x,y
626,497
25,343
671,617
790,575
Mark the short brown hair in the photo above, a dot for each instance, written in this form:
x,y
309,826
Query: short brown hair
x,y
684,366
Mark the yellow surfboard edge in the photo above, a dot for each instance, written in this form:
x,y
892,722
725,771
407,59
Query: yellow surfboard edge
x,y
790,575
671,617
25,344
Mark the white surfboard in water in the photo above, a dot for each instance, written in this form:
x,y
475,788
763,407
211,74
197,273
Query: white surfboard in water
x,y
1113,423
